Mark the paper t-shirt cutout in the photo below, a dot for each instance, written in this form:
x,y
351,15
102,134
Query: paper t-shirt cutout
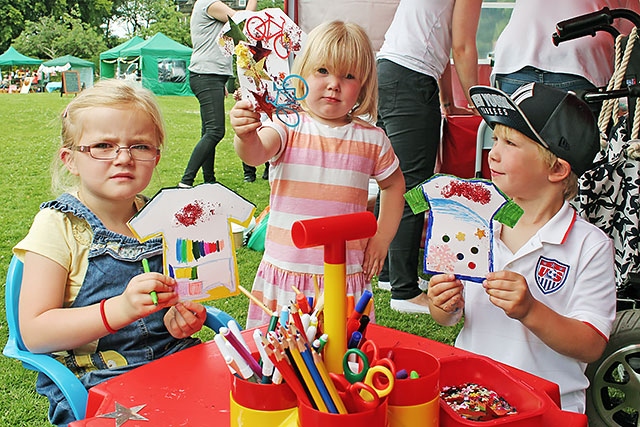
x,y
263,43
459,236
195,225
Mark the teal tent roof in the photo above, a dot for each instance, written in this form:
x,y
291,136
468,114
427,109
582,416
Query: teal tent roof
x,y
13,57
68,59
114,52
159,44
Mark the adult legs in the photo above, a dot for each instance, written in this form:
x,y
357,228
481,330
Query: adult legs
x,y
409,112
249,172
209,89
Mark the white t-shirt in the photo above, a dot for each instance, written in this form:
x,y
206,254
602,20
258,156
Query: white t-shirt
x,y
526,40
419,37
569,267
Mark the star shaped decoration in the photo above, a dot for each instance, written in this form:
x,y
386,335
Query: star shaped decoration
x,y
263,104
258,51
256,72
122,414
480,233
235,32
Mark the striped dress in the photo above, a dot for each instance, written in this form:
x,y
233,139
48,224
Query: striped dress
x,y
319,171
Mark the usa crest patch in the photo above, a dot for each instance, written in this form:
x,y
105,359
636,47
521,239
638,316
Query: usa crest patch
x,y
550,275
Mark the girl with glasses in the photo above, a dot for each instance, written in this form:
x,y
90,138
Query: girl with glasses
x,y
85,298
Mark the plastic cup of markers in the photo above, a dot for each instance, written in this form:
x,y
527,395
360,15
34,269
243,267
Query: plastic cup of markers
x,y
254,404
415,401
310,417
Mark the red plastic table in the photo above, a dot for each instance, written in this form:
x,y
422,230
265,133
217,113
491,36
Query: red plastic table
x,y
191,388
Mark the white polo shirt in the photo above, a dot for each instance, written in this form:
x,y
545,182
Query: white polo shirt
x,y
569,266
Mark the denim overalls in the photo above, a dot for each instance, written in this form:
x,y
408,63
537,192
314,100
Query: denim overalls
x,y
113,260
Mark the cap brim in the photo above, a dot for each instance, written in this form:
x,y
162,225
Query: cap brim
x,y
496,107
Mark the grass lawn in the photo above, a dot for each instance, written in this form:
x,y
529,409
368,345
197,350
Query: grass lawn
x,y
29,143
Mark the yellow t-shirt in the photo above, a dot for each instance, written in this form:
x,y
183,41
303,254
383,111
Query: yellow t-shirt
x,y
65,239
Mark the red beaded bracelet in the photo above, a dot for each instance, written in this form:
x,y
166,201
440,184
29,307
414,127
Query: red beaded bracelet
x,y
104,318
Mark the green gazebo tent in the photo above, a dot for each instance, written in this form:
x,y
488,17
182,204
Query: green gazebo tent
x,y
162,65
14,58
111,59
83,67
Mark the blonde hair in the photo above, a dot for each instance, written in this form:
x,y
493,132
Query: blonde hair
x,y
343,48
570,188
106,93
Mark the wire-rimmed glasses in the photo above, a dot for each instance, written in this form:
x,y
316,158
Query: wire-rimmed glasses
x,y
109,151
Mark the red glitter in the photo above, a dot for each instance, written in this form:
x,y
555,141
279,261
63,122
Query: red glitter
x,y
469,190
190,214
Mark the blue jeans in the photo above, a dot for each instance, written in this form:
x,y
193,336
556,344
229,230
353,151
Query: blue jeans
x,y
113,260
409,112
209,89
568,82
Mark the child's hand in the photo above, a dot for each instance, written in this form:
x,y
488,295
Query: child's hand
x,y
374,256
445,293
509,291
185,318
243,119
137,295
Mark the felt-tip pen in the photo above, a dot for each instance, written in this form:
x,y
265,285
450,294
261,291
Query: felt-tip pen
x,y
145,267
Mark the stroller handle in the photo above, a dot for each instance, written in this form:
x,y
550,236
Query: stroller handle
x,y
557,38
590,23
601,95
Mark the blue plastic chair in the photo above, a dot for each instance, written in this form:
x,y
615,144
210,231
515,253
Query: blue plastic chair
x,y
67,382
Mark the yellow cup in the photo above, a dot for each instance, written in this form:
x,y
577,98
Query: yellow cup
x,y
256,405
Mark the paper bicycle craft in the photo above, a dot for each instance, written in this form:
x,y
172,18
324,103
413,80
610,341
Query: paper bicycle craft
x,y
459,236
195,225
262,43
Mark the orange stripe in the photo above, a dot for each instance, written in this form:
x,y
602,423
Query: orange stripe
x,y
312,191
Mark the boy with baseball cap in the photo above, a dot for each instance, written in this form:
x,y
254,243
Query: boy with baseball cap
x,y
549,306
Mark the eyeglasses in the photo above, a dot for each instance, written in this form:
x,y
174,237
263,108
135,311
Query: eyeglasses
x,y
109,151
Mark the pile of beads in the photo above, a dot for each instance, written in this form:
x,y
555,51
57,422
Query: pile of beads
x,y
475,402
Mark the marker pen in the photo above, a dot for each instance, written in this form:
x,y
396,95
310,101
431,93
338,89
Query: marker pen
x,y
145,267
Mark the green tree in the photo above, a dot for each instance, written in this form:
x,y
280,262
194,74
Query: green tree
x,y
14,14
167,20
50,38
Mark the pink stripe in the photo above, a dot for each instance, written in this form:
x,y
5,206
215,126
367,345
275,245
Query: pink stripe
x,y
314,208
346,161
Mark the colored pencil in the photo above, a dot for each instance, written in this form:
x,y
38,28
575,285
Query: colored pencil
x,y
256,301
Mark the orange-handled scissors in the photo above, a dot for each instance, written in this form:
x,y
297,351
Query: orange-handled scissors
x,y
357,397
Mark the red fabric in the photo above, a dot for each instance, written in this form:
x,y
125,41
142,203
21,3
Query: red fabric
x,y
457,154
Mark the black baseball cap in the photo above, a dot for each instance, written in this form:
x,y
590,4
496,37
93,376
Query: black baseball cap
x,y
557,120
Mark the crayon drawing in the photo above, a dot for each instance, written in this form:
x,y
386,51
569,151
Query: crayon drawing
x,y
195,225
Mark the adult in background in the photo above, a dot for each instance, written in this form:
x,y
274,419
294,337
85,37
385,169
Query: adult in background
x,y
524,51
208,73
413,58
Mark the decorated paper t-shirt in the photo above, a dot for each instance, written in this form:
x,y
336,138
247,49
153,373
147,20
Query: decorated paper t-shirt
x,y
262,43
195,225
459,236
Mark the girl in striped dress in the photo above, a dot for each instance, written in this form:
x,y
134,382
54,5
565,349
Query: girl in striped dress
x,y
322,166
